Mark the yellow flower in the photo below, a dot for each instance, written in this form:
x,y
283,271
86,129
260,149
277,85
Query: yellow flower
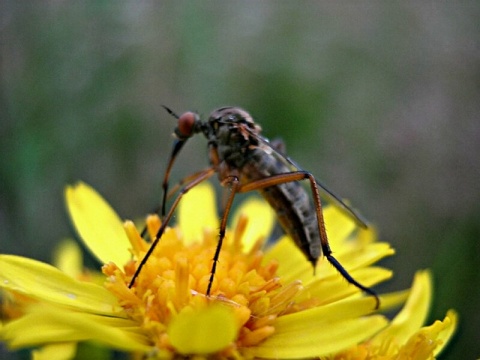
x,y
263,304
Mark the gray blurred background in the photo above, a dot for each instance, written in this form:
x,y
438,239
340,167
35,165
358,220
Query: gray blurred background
x,y
379,100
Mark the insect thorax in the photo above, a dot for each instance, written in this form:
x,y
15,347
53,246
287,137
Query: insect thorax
x,y
234,133
234,144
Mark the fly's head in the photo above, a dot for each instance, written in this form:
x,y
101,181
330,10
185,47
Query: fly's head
x,y
189,124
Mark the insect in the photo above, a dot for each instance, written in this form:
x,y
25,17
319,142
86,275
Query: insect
x,y
245,161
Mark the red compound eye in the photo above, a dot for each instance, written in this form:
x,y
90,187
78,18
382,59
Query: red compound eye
x,y
186,122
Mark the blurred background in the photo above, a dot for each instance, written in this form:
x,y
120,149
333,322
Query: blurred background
x,y
379,100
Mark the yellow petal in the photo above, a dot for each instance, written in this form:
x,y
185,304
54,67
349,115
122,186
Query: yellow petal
x,y
197,211
44,324
413,314
46,283
56,351
393,300
449,326
97,224
292,263
319,340
337,311
68,258
203,331
261,219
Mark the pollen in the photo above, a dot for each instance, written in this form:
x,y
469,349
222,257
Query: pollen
x,y
176,276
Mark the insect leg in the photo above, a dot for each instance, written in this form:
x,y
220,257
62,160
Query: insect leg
x,y
234,186
304,175
203,175
184,181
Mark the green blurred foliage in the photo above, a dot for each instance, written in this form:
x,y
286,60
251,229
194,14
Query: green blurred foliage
x,y
379,100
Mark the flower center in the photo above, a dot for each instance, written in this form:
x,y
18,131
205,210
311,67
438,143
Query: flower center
x,y
176,276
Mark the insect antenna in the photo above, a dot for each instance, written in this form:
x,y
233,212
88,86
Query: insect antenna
x,y
171,112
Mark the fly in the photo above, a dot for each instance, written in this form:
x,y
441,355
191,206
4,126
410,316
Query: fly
x,y
245,161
